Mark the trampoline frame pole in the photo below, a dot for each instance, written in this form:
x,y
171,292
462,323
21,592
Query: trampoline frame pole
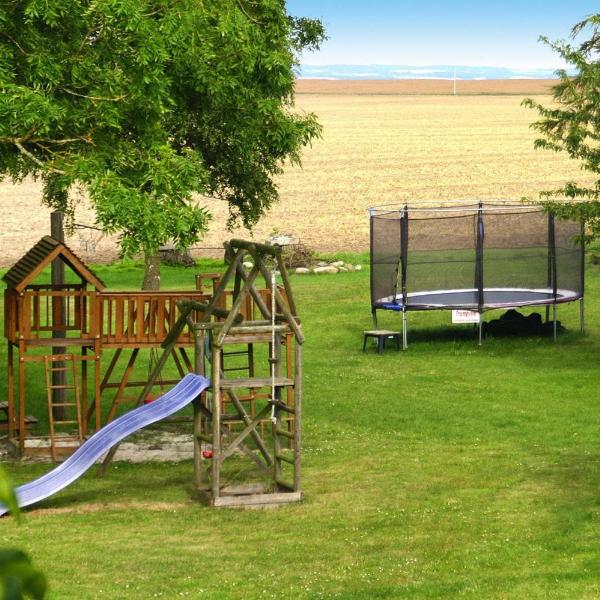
x,y
552,248
480,232
403,266
582,279
550,281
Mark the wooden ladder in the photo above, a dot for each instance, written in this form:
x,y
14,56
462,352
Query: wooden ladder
x,y
50,361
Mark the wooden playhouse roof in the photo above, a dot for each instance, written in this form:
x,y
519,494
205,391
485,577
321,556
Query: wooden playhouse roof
x,y
24,271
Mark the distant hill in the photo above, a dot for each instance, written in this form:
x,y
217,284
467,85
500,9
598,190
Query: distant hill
x,y
370,72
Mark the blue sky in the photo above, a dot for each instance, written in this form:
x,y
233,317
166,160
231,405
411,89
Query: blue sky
x,y
498,33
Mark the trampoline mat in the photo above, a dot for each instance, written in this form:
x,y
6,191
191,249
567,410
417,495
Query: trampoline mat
x,y
468,299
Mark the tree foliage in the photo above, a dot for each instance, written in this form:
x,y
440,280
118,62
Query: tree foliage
x,y
145,102
18,577
572,123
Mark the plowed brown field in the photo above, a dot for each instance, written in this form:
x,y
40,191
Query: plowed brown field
x,y
382,142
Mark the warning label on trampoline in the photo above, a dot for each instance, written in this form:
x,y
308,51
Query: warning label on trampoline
x,y
465,316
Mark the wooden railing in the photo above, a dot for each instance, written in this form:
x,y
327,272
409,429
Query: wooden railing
x,y
142,318
43,309
127,319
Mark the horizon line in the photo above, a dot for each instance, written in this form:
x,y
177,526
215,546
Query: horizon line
x,y
430,65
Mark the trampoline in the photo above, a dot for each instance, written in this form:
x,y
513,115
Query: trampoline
x,y
476,257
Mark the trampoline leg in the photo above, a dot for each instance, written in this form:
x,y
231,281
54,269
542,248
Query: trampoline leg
x,y
480,329
554,320
547,312
404,331
374,313
581,316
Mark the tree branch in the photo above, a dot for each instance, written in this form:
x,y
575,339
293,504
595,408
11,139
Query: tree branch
x,y
15,43
31,140
35,159
99,98
248,16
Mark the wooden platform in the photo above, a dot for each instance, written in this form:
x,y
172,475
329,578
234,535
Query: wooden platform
x,y
254,382
248,496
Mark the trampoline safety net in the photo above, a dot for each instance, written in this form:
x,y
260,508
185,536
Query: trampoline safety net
x,y
479,257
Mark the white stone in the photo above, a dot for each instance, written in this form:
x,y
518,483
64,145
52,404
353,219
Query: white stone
x,y
358,267
328,269
337,263
349,267
342,269
302,270
282,239
322,264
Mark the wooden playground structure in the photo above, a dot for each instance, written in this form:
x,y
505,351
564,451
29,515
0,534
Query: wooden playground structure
x,y
233,326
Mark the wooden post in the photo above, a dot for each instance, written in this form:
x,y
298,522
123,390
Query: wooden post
x,y
216,422
289,340
276,424
298,417
84,391
97,393
22,432
57,275
286,284
11,392
199,336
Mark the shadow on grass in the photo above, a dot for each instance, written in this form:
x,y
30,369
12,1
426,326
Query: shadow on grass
x,y
121,484
574,481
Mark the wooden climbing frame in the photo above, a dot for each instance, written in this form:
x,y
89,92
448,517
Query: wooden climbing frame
x,y
277,455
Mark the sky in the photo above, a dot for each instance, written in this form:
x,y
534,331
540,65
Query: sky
x,y
420,32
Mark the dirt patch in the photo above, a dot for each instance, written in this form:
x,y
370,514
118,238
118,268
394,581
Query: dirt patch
x,y
145,446
83,509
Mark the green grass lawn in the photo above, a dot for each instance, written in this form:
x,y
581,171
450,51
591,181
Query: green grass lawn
x,y
448,470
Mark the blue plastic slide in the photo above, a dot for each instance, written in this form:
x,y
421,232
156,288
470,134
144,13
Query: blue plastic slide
x,y
190,387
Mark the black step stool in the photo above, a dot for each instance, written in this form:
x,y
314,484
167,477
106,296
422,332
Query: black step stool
x,y
381,335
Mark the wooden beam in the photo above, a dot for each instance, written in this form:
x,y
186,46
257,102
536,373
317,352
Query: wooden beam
x,y
218,293
286,284
250,427
282,303
298,418
236,306
253,247
257,499
264,309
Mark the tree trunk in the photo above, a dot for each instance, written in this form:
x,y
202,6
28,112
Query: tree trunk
x,y
57,277
151,272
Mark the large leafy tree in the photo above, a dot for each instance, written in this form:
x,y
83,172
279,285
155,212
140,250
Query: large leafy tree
x,y
572,123
143,103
